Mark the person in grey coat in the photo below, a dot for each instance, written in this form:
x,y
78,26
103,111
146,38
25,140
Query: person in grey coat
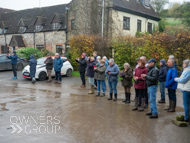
x,y
112,71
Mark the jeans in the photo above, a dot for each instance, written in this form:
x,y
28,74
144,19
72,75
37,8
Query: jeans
x,y
104,84
91,80
101,83
58,75
162,90
82,76
186,96
152,98
14,70
113,87
172,94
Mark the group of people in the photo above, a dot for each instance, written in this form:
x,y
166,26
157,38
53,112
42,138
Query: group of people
x,y
147,77
56,63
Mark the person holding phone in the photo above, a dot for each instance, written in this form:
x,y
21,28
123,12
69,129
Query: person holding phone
x,y
13,58
112,72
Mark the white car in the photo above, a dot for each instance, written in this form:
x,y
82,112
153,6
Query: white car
x,y
41,72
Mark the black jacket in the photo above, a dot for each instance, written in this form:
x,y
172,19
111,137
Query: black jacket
x,y
152,76
49,65
162,73
82,65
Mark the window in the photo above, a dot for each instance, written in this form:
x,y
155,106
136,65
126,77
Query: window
x,y
72,24
149,27
40,47
56,26
146,3
22,29
126,23
39,28
59,49
3,58
139,25
4,50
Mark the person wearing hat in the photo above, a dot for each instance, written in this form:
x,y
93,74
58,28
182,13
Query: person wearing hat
x,y
152,82
171,85
82,69
162,79
49,67
13,58
57,64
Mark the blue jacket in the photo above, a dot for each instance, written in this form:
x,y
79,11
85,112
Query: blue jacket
x,y
163,72
90,69
32,63
113,76
13,58
171,75
57,64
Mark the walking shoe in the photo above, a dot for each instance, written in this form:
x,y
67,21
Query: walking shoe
x,y
82,86
14,78
134,109
186,120
59,82
49,81
111,94
161,101
98,94
103,94
149,114
56,82
33,80
153,116
145,106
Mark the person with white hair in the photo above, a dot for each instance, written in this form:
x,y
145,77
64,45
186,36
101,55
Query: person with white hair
x,y
112,71
57,64
98,58
184,86
127,83
171,57
171,85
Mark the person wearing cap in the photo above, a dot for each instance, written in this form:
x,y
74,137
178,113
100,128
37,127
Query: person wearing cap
x,y
112,72
171,85
162,79
13,58
49,67
82,69
152,82
57,64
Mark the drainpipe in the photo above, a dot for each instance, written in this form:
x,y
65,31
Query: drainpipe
x,y
44,40
34,39
103,18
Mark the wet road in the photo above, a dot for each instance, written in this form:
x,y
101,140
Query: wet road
x,y
64,113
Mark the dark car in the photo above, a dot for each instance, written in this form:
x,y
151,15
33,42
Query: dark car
x,y
5,63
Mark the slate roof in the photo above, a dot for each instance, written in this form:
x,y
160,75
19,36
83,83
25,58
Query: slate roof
x,y
11,20
4,10
17,40
137,8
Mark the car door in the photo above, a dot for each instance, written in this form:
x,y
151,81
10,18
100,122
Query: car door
x,y
8,63
3,62
63,69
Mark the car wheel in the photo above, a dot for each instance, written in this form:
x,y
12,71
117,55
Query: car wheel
x,y
19,67
69,72
42,76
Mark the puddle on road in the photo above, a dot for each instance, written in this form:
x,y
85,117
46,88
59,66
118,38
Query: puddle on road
x,y
29,98
17,101
3,108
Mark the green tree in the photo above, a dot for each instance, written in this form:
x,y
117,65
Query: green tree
x,y
158,5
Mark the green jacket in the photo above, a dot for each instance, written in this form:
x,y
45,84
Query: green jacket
x,y
127,78
100,72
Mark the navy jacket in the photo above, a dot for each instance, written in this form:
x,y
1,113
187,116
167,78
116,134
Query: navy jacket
x,y
90,69
171,75
163,72
13,59
114,71
58,64
33,64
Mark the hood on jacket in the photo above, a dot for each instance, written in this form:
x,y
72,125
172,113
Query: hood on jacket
x,y
32,57
163,61
14,52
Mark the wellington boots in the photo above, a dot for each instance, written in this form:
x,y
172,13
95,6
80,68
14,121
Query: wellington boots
x,y
91,90
111,94
129,98
169,106
142,105
173,106
115,97
136,104
126,97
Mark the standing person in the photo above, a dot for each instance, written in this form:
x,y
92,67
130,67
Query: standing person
x,y
112,71
95,55
98,58
100,72
140,85
14,63
49,67
184,86
57,64
162,79
127,83
33,64
152,83
90,73
106,64
81,68
171,85
171,57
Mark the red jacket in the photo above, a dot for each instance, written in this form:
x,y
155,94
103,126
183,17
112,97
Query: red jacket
x,y
138,72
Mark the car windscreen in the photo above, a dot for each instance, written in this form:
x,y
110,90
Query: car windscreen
x,y
41,61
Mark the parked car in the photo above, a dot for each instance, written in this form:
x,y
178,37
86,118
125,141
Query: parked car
x,y
5,63
41,72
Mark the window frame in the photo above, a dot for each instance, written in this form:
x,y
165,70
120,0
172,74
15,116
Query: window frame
x,y
59,47
126,23
38,28
40,47
139,22
56,26
148,30
72,24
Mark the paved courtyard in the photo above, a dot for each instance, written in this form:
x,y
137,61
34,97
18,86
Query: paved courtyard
x,y
47,113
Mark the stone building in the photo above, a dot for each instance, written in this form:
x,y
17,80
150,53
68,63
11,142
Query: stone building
x,y
52,27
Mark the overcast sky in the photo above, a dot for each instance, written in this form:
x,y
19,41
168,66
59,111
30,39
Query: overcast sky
x,y
25,4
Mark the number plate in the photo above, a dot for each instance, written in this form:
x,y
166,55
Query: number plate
x,y
26,74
